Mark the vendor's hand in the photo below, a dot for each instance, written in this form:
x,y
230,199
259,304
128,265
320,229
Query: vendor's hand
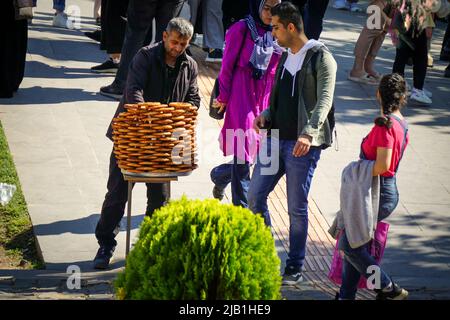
x,y
302,146
221,106
429,32
259,123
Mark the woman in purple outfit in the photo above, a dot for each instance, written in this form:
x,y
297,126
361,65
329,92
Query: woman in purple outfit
x,y
245,82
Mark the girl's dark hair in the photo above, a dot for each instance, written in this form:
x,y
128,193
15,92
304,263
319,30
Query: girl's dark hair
x,y
392,89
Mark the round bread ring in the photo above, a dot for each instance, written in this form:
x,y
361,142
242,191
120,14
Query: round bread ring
x,y
147,157
152,104
163,127
180,104
162,109
178,124
161,122
178,112
178,118
162,116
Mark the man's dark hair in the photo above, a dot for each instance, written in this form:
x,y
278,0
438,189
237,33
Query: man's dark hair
x,y
288,13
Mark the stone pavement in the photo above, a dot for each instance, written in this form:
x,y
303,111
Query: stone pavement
x,y
55,127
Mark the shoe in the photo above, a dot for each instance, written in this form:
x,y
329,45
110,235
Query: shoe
x,y
214,55
109,66
218,193
365,79
430,61
420,97
103,256
61,20
112,91
340,5
396,293
197,40
292,276
354,7
447,72
94,35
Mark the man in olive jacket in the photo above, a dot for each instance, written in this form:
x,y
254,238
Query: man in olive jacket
x,y
163,73
300,102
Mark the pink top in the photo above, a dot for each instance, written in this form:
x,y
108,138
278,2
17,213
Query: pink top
x,y
245,97
385,138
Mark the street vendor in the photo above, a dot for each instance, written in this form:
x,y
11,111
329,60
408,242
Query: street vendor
x,y
164,73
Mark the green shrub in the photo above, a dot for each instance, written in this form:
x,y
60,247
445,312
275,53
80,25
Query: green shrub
x,y
201,250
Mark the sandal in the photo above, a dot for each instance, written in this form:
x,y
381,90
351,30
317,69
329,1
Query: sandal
x,y
364,79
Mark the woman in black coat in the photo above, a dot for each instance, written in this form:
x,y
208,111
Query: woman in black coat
x,y
13,48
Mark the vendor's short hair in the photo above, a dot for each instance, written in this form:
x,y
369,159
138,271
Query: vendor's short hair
x,y
288,13
182,26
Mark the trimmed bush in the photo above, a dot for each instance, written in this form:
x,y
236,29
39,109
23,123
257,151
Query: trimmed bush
x,y
201,250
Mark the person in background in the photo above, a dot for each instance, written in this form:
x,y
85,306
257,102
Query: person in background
x,y
13,49
113,27
245,82
212,26
367,46
313,12
140,15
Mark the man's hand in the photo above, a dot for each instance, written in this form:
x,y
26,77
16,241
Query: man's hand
x,y
219,105
259,123
302,146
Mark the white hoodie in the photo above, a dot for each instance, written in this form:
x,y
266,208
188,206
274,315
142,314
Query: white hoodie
x,y
294,61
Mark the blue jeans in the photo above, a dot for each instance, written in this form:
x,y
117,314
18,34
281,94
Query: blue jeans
x,y
59,5
238,174
299,173
357,260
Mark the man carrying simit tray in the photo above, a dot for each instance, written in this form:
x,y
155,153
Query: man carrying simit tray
x,y
164,73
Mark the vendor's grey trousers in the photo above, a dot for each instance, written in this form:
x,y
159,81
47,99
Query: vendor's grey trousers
x,y
212,25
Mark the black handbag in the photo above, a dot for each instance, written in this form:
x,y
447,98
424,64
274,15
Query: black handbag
x,y
213,111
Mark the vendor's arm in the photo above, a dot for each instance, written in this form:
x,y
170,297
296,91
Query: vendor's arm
x,y
138,72
192,96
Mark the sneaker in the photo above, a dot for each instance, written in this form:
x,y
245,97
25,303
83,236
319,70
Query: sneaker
x,y
103,256
420,97
447,72
218,193
94,35
62,21
354,7
396,293
197,40
109,66
292,276
340,5
112,91
430,61
214,55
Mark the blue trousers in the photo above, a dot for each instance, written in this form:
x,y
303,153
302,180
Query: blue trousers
x,y
358,260
299,173
238,174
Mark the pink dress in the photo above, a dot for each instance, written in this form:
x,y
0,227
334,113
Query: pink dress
x,y
245,97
